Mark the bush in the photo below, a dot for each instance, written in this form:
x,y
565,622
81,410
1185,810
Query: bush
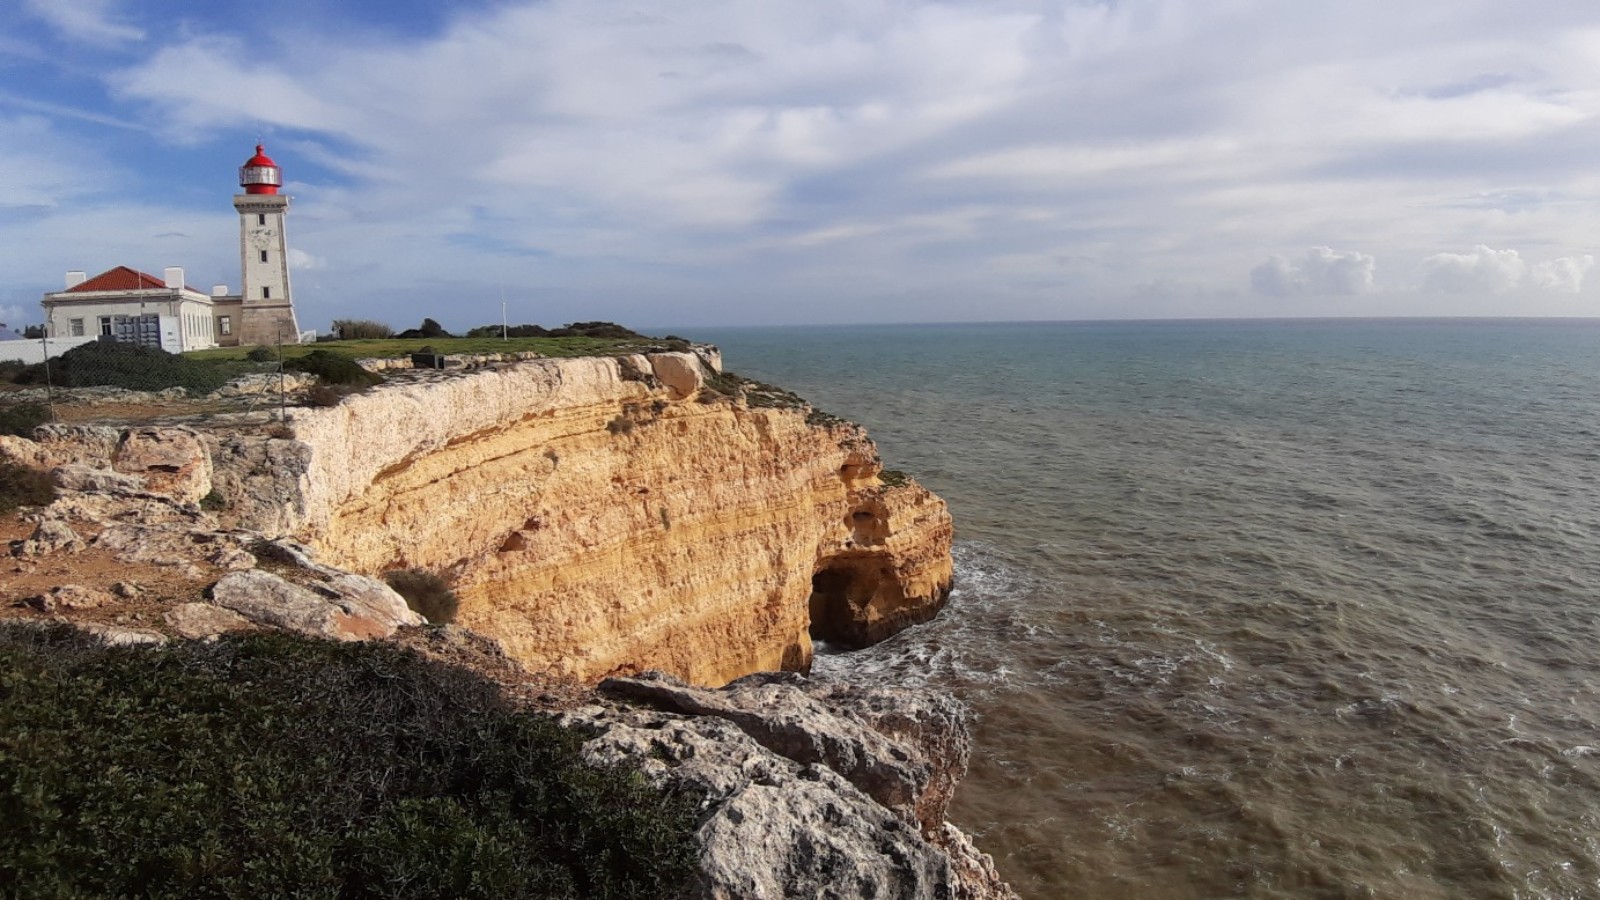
x,y
21,419
113,364
271,765
427,594
262,355
428,329
22,486
333,368
361,329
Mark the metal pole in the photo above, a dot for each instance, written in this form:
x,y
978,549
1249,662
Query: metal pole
x,y
283,393
49,386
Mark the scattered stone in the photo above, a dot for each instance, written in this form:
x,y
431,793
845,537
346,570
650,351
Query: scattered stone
x,y
127,590
90,480
79,444
69,597
49,536
203,620
170,461
118,636
232,559
267,599
20,451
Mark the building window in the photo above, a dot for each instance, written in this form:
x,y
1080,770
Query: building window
x,y
76,327
261,218
225,323
105,324
263,256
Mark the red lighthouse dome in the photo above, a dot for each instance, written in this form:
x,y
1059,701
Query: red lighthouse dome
x,y
260,175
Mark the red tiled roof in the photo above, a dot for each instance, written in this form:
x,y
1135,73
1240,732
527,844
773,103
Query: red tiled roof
x,y
121,278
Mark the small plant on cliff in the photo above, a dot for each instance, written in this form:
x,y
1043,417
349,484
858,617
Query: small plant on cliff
x,y
22,486
893,478
333,368
21,419
261,355
426,593
271,765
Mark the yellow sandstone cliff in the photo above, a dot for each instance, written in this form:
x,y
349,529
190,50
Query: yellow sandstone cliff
x,y
613,515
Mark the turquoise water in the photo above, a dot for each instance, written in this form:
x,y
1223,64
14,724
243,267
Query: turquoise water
x,y
1264,609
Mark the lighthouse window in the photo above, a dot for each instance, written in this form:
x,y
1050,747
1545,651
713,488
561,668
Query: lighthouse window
x,y
266,293
263,256
261,218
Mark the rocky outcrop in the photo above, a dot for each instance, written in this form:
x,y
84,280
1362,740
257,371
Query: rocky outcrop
x,y
607,515
812,790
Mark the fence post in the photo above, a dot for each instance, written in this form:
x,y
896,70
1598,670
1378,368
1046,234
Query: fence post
x,y
49,386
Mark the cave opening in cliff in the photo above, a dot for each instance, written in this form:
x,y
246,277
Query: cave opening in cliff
x,y
839,592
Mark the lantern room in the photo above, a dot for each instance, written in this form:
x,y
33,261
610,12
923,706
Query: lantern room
x,y
260,175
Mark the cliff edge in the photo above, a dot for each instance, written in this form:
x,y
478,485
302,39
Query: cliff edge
x,y
604,516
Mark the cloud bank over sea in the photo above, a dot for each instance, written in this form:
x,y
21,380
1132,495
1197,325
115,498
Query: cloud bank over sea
x,y
715,161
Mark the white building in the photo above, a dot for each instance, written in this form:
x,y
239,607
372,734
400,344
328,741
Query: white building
x,y
136,308
130,306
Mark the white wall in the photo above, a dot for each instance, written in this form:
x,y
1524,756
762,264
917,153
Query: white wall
x,y
37,350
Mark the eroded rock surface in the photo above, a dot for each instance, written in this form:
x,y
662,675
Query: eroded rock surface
x,y
805,798
605,516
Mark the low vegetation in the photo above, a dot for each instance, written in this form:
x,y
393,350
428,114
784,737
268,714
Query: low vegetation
x,y
893,478
276,766
21,486
333,368
361,329
428,595
20,419
110,364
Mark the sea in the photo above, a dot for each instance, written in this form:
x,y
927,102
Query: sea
x,y
1293,609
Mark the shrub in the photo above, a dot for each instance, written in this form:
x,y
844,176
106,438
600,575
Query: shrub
x,y
893,478
329,394
427,594
262,355
113,364
22,486
428,329
271,765
21,419
595,330
333,368
361,329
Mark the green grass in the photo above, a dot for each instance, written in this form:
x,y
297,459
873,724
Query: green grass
x,y
276,766
395,347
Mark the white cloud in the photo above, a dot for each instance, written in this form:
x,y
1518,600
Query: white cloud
x,y
15,317
1322,271
92,21
1483,271
1564,274
873,148
300,260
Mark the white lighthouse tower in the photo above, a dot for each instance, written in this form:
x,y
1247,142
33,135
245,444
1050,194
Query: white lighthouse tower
x,y
267,313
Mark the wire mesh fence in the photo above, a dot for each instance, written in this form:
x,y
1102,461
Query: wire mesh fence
x,y
113,380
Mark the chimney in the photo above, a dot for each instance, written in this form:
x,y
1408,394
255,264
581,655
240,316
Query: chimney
x,y
75,278
219,290
173,275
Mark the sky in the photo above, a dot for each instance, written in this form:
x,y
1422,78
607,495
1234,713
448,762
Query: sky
x,y
756,162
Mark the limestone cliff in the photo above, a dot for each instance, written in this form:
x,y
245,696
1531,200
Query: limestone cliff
x,y
610,515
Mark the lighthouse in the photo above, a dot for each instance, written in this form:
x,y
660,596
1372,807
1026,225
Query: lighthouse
x,y
267,313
